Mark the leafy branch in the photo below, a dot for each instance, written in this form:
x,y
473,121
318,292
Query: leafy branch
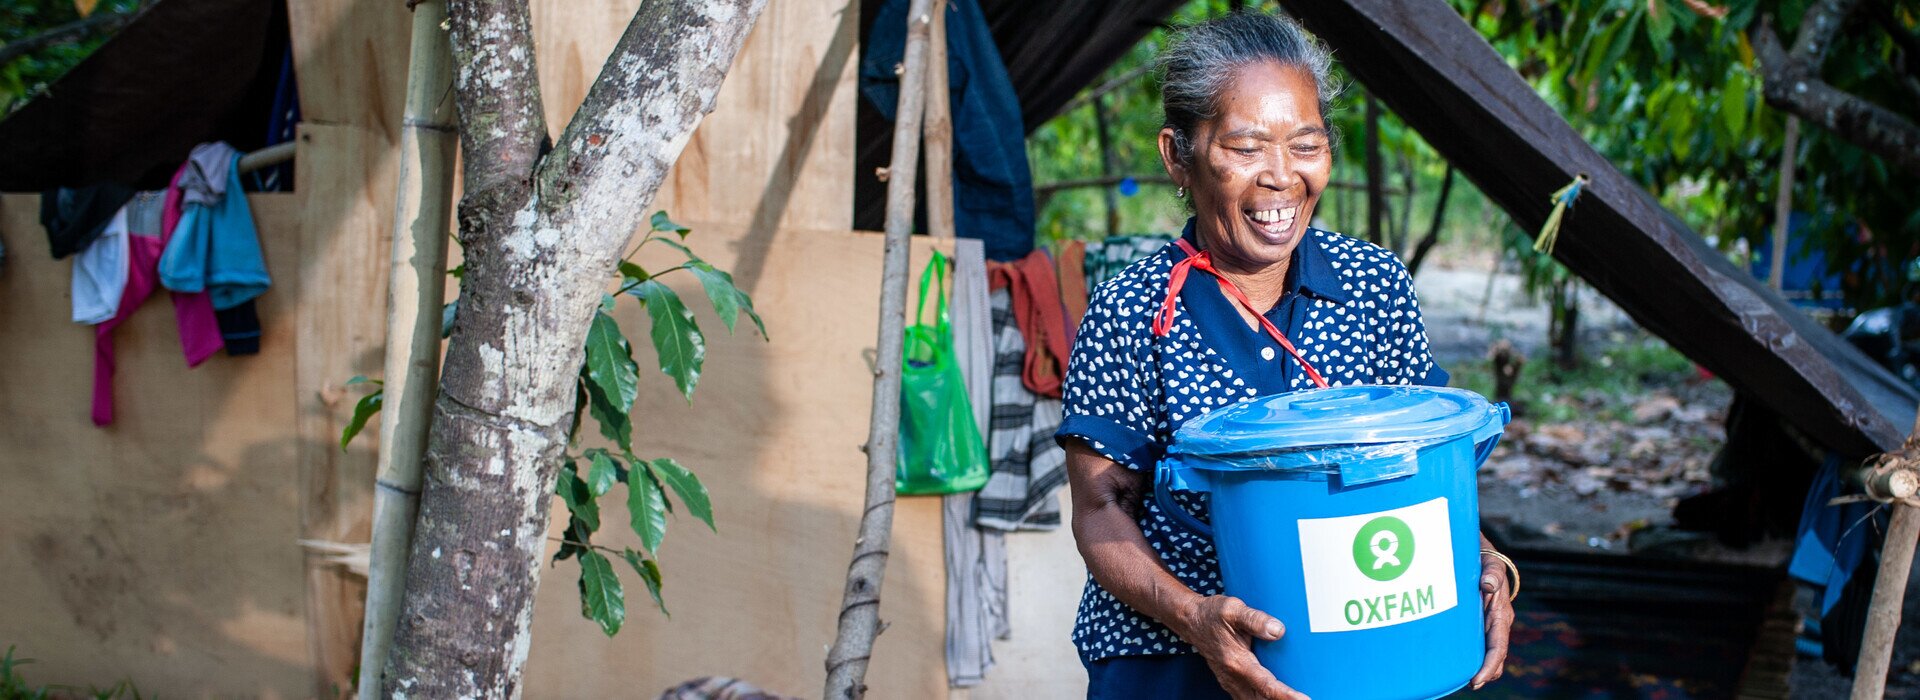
x,y
608,385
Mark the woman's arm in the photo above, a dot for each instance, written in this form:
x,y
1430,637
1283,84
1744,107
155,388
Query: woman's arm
x,y
1107,499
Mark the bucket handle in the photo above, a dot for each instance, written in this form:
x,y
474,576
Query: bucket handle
x,y
1488,436
1163,485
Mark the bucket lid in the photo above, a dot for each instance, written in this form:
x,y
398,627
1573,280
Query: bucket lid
x,y
1348,415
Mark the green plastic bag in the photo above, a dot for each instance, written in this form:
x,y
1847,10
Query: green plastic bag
x,y
940,446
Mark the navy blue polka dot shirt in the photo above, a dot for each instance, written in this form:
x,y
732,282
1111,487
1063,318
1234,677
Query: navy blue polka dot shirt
x,y
1348,307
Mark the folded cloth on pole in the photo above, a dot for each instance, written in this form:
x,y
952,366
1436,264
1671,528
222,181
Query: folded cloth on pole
x,y
215,247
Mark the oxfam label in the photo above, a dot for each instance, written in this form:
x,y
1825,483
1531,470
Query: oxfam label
x,y
1384,548
1365,571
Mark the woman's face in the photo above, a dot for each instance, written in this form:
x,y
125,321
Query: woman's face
x,y
1258,167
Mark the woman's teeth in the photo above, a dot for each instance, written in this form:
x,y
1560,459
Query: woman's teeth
x,y
1273,216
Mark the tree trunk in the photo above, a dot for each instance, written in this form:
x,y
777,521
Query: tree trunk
x,y
1376,185
1433,232
541,235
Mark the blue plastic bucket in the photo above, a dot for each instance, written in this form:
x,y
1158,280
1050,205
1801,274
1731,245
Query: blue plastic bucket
x,y
1351,514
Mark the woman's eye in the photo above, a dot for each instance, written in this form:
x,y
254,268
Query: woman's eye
x,y
1308,149
1247,151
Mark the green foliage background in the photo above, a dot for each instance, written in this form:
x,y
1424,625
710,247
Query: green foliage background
x,y
31,73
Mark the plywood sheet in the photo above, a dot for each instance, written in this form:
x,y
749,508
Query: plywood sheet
x,y
351,58
777,149
346,178
160,549
775,430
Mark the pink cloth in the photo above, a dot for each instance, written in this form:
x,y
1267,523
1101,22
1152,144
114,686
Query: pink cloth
x,y
193,313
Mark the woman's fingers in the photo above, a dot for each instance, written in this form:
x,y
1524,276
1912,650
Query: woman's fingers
x,y
1499,623
1242,676
1250,622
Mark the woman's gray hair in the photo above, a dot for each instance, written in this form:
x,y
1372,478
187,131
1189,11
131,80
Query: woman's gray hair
x,y
1195,71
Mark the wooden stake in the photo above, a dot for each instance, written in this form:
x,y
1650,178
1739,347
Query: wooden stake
x,y
938,130
860,605
415,289
1889,593
1783,205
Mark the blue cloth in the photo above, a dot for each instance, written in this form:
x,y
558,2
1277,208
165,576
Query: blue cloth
x,y
1183,676
992,186
1832,539
216,249
1349,308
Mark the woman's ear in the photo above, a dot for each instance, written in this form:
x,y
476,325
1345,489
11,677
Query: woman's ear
x,y
1170,157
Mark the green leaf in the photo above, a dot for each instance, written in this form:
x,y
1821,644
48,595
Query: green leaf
x,y
368,405
576,532
662,223
603,474
687,487
578,497
362,379
650,573
447,315
601,599
684,250
632,274
1660,27
647,508
614,422
1733,104
458,271
728,300
610,364
676,337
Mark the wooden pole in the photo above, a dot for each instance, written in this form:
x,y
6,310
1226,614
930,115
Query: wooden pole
x,y
1106,163
1890,584
1783,204
415,288
860,605
938,129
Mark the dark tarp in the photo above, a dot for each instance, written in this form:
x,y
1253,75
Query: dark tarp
x,y
183,73
1440,76
1052,49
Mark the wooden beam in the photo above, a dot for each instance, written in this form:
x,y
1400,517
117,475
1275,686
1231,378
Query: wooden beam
x,y
1444,80
937,131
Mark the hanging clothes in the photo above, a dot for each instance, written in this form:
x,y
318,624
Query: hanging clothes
x,y
992,185
100,273
193,313
976,558
1028,465
75,217
1106,258
1071,266
216,248
1035,302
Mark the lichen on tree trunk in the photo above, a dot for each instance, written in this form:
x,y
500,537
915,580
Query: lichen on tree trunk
x,y
540,236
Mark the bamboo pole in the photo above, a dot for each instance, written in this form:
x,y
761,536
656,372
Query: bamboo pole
x,y
415,289
860,606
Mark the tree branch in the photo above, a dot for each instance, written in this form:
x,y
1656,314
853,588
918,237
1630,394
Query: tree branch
x,y
497,90
1791,82
640,113
100,23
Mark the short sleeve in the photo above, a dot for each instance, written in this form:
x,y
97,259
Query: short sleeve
x,y
1106,399
1411,356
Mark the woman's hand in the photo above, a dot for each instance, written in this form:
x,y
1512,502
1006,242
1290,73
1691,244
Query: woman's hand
x,y
1222,629
1494,594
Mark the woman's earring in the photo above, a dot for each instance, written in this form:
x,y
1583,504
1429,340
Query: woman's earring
x,y
1180,193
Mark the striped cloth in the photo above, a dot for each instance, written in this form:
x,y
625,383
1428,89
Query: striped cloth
x,y
1108,256
1026,464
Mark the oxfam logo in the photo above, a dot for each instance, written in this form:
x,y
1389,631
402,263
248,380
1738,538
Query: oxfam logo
x,y
1383,549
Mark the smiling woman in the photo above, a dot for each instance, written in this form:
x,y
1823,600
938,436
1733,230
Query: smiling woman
x,y
1280,306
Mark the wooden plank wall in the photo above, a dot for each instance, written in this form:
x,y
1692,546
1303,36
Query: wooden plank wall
x,y
351,59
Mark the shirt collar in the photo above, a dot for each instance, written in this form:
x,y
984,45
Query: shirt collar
x,y
1311,272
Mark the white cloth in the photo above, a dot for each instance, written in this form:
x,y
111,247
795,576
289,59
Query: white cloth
x,y
100,273
976,558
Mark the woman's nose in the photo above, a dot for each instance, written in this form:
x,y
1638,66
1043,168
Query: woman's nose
x,y
1276,172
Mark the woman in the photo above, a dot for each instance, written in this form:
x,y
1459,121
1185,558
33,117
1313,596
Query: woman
x,y
1176,335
